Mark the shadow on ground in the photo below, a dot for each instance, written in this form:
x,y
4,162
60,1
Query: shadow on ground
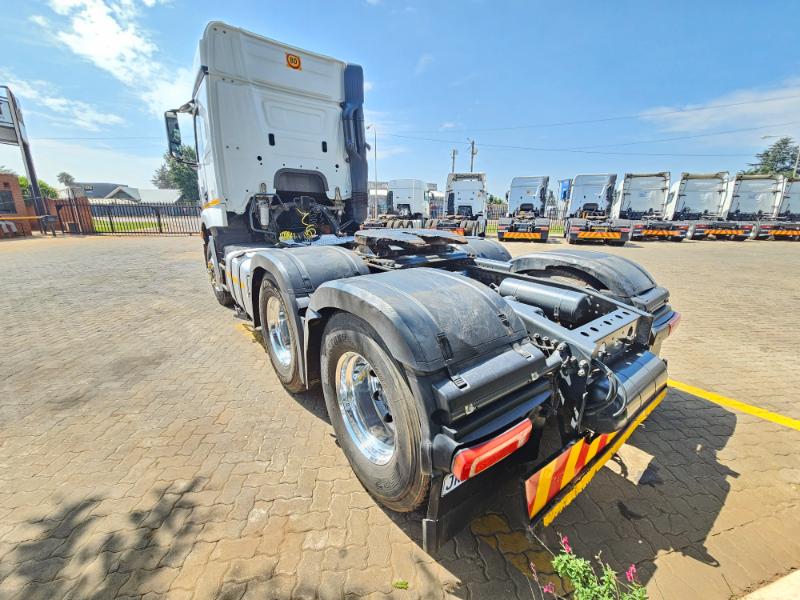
x,y
85,550
626,515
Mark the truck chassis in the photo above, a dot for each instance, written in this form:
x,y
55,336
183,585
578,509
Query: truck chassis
x,y
451,368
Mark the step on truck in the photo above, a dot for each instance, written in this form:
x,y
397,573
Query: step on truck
x,y
641,199
786,224
588,200
406,205
525,220
465,205
448,369
696,200
749,200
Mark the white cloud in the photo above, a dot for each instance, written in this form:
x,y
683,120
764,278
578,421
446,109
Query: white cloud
x,y
368,86
85,163
449,125
109,36
739,109
423,62
65,111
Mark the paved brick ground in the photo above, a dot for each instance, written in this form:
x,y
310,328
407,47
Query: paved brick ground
x,y
136,463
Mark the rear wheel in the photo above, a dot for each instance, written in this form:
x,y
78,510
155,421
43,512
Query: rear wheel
x,y
221,294
373,413
278,336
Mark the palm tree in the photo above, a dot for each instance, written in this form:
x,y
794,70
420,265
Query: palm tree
x,y
65,179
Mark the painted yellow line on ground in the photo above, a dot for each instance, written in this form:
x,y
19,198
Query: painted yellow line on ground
x,y
736,405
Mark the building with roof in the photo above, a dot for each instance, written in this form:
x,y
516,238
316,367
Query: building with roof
x,y
145,195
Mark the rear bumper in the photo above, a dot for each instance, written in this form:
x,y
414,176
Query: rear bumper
x,y
553,487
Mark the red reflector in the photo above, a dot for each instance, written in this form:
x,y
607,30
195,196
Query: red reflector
x,y
674,322
625,230
574,229
468,462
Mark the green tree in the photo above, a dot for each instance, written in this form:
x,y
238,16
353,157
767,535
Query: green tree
x,y
780,157
495,199
65,179
4,170
47,190
177,174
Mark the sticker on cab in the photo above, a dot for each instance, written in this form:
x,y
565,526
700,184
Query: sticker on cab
x,y
293,62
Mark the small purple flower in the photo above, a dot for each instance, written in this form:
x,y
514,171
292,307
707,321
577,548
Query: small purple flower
x,y
630,574
565,544
549,589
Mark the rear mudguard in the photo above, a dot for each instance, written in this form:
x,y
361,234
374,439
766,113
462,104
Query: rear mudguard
x,y
620,276
483,248
430,318
297,272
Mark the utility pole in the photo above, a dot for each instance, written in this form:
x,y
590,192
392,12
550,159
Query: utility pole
x,y
472,153
453,154
375,163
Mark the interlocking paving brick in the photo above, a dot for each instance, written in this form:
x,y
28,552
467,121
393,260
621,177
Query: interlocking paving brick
x,y
147,448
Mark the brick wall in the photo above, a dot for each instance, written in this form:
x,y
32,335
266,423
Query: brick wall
x,y
9,183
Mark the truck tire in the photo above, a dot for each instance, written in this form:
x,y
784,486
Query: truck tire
x,y
278,336
373,413
221,294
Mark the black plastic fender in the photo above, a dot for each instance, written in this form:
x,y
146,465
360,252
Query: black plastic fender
x,y
622,277
428,318
483,248
297,272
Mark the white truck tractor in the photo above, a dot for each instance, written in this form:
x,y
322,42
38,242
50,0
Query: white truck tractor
x,y
588,214
641,199
750,200
525,220
696,201
447,368
465,205
786,224
406,205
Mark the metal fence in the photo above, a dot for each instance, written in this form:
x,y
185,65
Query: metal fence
x,y
119,219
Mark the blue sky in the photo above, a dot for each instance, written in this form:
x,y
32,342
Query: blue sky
x,y
545,88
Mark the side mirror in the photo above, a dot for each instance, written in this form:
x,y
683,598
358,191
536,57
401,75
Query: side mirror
x,y
173,133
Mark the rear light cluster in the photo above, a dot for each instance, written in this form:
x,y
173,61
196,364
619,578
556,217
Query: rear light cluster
x,y
625,229
574,229
674,321
468,462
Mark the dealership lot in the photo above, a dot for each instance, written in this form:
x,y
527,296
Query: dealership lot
x,y
147,448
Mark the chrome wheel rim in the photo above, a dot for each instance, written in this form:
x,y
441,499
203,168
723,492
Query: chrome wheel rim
x,y
278,331
364,408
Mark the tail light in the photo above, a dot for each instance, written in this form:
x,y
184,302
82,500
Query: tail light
x,y
674,321
574,229
625,229
468,462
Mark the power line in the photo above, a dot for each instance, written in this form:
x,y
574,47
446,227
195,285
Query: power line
x,y
569,150
624,117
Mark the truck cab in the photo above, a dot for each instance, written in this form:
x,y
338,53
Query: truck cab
x,y
696,200
750,201
525,220
465,200
786,225
642,199
588,201
406,205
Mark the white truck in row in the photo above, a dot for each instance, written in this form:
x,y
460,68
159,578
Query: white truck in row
x,y
589,199
525,220
447,367
640,200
